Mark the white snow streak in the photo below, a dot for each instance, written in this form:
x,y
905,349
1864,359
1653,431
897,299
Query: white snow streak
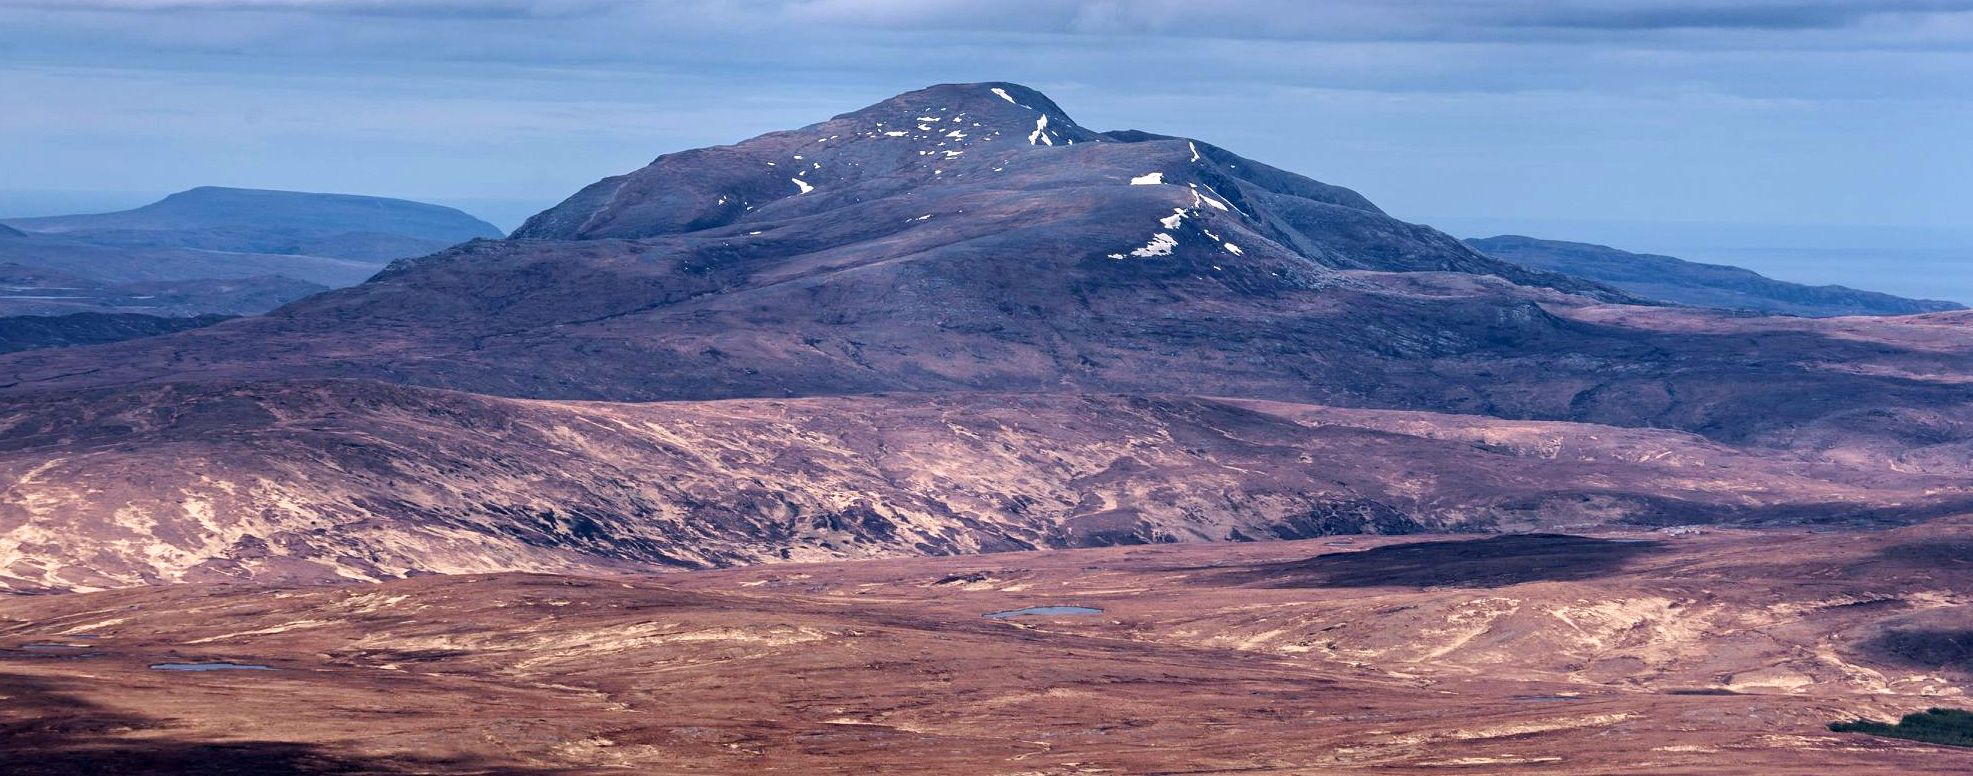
x,y
1201,199
1148,179
803,185
1040,133
1161,245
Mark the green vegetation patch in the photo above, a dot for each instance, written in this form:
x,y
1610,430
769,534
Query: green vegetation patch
x,y
1952,727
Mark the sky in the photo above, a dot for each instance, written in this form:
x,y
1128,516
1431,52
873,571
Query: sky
x,y
1755,129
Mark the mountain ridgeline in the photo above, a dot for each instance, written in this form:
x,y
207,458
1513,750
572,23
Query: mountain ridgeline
x,y
341,226
1677,281
1105,338
215,251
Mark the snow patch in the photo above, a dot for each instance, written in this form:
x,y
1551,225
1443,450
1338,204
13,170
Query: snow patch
x,y
1172,221
1233,249
1002,94
1161,244
1201,199
1040,133
1195,150
803,185
1148,179
896,133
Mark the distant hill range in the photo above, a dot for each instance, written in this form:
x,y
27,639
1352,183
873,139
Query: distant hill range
x,y
373,230
208,253
210,233
1678,281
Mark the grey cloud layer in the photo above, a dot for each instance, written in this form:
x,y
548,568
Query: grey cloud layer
x,y
1760,109
1227,18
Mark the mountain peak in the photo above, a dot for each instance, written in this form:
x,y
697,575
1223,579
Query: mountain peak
x,y
950,165
1000,105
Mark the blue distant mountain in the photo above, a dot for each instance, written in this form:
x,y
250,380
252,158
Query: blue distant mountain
x,y
276,222
1668,279
216,250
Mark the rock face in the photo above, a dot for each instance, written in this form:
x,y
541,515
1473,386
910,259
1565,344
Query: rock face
x,y
1677,281
1105,337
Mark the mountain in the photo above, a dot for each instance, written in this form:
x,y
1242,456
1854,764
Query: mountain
x,y
953,321
957,239
217,251
212,218
1677,281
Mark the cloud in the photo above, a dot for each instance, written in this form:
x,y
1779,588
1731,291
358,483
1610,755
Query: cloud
x,y
1429,104
469,9
1741,15
1350,19
1274,19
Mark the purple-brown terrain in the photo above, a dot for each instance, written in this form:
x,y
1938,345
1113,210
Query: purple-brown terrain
x,y
957,323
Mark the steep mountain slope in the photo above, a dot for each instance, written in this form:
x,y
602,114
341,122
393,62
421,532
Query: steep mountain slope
x,y
1667,279
212,218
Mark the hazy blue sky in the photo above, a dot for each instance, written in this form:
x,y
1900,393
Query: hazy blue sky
x,y
1482,113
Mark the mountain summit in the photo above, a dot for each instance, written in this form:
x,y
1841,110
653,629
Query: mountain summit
x,y
1004,156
